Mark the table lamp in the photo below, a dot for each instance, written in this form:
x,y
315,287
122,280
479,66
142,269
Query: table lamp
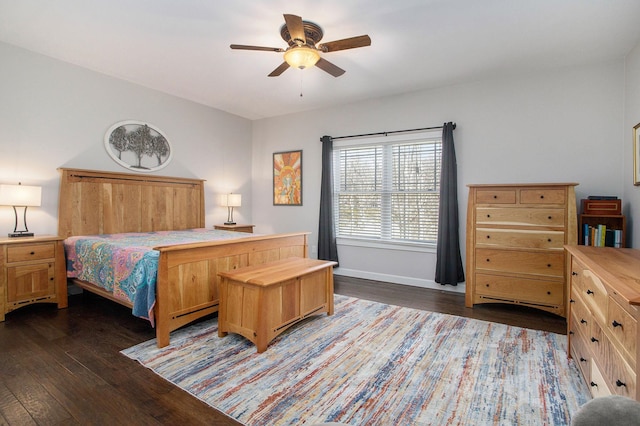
x,y
20,197
230,201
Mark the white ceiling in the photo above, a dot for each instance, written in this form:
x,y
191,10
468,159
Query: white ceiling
x,y
181,47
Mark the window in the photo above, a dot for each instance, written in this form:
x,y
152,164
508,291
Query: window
x,y
388,190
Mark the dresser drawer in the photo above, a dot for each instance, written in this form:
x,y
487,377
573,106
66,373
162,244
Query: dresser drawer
x,y
519,238
31,252
624,329
499,287
595,295
549,264
619,375
496,196
542,196
581,317
581,356
520,217
577,274
597,383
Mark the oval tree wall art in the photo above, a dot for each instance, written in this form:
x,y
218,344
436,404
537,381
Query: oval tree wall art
x,y
138,146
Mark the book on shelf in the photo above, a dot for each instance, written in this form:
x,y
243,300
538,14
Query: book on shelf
x,y
601,236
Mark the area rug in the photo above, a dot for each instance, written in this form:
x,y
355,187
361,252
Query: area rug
x,y
377,364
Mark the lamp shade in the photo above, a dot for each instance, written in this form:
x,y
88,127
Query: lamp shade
x,y
20,195
301,57
232,200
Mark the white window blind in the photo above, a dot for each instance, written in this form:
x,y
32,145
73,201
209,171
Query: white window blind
x,y
388,190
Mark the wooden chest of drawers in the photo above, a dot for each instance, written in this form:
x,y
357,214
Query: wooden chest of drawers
x,y
515,239
603,318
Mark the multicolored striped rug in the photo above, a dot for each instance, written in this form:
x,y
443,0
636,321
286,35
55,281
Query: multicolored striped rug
x,y
376,364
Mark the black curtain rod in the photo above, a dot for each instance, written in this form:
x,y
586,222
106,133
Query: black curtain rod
x,y
388,133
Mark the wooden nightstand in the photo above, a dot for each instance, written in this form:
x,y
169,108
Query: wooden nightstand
x,y
32,270
237,228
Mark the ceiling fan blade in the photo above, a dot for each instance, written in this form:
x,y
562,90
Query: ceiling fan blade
x,y
296,29
245,47
282,68
346,43
327,66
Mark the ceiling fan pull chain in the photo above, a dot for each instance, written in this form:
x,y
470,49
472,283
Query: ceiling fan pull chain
x,y
300,84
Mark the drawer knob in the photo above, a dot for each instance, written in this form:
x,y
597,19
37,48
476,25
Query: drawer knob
x,y
620,384
549,293
495,197
594,340
488,215
548,265
589,292
487,285
583,321
488,260
574,273
593,384
488,236
549,217
582,359
616,324
32,253
572,301
548,240
571,333
542,197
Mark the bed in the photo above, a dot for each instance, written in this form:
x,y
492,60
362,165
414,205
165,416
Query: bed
x,y
96,203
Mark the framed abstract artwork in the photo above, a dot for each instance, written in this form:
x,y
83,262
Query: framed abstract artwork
x,y
138,146
636,154
287,178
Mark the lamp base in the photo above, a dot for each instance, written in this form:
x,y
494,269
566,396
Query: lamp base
x,y
229,223
20,234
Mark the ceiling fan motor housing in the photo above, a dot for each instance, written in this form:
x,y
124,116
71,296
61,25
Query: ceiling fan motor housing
x,y
312,32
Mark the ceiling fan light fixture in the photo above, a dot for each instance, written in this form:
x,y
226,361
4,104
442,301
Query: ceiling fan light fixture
x,y
301,57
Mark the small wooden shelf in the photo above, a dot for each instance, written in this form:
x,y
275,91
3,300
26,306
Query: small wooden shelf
x,y
614,221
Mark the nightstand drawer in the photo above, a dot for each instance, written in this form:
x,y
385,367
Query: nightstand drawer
x,y
29,282
28,252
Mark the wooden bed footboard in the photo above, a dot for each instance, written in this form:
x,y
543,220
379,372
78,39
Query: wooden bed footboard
x,y
188,281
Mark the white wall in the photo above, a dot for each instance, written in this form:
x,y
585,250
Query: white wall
x,y
562,126
53,114
631,118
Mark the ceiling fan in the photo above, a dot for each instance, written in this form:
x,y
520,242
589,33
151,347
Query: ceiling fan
x,y
304,50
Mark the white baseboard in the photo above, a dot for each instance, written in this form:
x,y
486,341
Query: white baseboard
x,y
415,282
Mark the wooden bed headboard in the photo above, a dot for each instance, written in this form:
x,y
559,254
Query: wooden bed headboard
x,y
96,202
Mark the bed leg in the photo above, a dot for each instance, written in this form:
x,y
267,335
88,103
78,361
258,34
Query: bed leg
x,y
162,338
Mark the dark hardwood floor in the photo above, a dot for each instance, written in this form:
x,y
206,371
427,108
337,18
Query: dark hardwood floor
x,y
64,366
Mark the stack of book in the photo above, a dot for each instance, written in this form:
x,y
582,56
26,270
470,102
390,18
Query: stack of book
x,y
600,236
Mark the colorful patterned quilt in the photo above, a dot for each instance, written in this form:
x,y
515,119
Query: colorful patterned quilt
x,y
126,264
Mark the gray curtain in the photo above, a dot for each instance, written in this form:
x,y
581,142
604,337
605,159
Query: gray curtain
x,y
327,248
448,261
